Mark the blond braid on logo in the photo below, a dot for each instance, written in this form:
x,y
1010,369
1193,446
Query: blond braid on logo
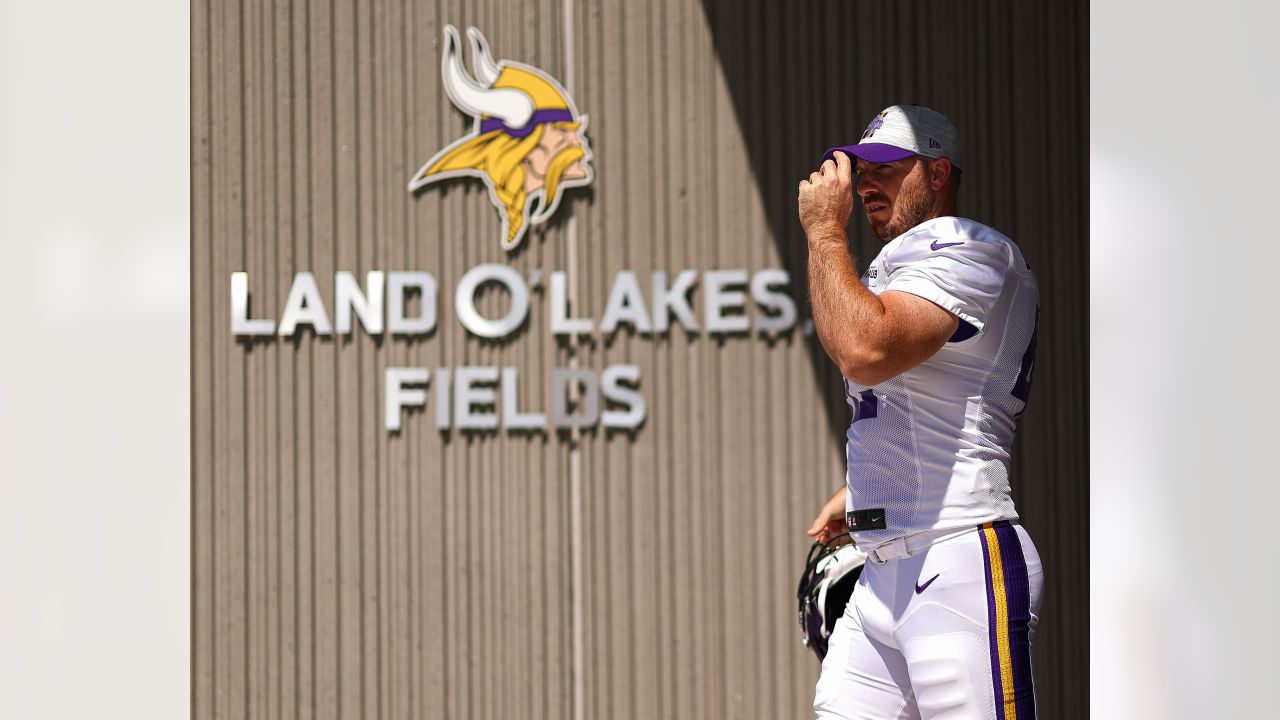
x,y
501,157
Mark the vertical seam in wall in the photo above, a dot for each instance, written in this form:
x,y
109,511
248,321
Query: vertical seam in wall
x,y
335,471
354,348
293,374
274,473
575,448
244,363
213,381
310,361
292,361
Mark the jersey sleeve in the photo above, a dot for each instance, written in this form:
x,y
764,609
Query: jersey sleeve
x,y
961,274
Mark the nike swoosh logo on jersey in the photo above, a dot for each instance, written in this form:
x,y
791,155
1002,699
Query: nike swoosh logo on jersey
x,y
921,588
936,246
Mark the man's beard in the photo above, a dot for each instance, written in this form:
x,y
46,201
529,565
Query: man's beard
x,y
913,206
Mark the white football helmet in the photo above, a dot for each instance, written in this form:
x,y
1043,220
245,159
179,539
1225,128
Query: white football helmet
x,y
831,571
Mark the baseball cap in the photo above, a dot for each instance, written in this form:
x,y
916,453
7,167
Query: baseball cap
x,y
902,131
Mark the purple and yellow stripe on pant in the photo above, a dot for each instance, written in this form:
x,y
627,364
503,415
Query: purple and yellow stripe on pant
x,y
1009,620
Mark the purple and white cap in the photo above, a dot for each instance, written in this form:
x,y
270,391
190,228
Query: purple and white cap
x,y
902,131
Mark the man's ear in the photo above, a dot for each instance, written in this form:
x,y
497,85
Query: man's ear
x,y
939,173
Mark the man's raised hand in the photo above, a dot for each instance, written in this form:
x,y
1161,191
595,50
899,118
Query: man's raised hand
x,y
826,199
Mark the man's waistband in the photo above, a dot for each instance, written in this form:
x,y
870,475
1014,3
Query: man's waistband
x,y
908,545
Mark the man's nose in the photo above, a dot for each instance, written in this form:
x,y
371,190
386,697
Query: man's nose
x,y
866,186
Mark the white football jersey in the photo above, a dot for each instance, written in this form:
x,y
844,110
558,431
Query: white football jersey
x,y
931,447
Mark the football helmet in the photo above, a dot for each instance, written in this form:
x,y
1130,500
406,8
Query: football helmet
x,y
831,571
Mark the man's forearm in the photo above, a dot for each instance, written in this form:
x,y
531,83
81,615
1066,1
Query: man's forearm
x,y
844,312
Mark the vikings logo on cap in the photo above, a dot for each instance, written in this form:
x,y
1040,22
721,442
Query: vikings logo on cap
x,y
528,142
874,125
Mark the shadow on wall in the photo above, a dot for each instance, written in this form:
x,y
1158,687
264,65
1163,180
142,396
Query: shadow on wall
x,y
1013,78
805,77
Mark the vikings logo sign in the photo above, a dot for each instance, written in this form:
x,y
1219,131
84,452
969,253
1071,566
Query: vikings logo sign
x,y
527,143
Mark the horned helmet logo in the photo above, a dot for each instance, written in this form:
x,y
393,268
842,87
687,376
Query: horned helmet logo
x,y
874,125
528,142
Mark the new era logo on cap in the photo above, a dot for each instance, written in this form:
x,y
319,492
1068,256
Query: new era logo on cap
x,y
901,131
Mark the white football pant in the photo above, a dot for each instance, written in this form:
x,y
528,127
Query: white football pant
x,y
944,634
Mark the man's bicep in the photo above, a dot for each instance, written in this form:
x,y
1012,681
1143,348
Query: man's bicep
x,y
922,326
910,330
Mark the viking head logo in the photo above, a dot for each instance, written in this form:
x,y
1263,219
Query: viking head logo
x,y
528,142
874,125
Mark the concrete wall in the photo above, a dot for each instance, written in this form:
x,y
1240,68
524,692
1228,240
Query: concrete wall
x,y
340,570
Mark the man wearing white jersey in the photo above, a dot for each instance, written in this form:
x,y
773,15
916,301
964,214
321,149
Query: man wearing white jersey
x,y
936,344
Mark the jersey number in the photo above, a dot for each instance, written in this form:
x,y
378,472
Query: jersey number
x,y
1022,386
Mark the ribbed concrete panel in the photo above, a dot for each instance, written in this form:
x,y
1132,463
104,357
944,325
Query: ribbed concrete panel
x,y
343,571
